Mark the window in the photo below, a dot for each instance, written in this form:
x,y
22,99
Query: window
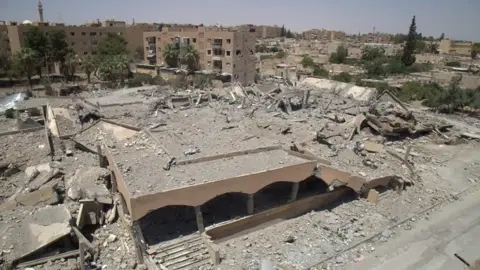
x,y
72,33
228,53
94,52
227,64
238,53
94,42
85,53
100,33
93,33
194,40
209,63
73,43
209,40
111,24
209,52
84,34
229,41
218,52
159,38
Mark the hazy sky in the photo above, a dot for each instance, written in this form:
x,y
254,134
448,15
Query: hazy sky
x,y
459,19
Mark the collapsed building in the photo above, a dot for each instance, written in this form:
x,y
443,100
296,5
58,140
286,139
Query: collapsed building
x,y
186,173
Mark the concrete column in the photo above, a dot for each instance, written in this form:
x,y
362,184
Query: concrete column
x,y
199,216
250,204
293,195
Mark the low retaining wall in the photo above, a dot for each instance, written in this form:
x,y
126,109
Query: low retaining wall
x,y
286,211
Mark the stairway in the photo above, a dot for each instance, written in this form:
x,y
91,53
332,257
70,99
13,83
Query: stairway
x,y
188,252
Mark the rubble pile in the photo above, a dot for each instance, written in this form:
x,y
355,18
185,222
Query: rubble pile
x,y
59,209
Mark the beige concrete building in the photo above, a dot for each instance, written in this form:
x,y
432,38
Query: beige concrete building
x,y
456,47
83,39
221,50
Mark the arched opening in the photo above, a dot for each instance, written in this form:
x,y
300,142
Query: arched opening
x,y
225,207
273,195
168,223
311,186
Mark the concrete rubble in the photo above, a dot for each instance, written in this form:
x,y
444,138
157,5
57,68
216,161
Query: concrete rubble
x,y
60,204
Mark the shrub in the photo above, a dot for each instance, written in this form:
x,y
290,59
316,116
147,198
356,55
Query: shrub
x,y
343,77
453,64
9,113
320,72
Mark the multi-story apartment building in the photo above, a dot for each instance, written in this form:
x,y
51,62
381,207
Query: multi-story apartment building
x,y
261,31
323,34
220,49
456,47
83,39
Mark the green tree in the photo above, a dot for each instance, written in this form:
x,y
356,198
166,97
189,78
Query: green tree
x,y
57,46
453,64
320,72
343,77
375,68
408,57
433,47
442,36
69,65
421,46
307,61
474,51
121,66
283,32
25,62
38,42
112,45
139,54
372,53
171,55
89,66
191,58
340,56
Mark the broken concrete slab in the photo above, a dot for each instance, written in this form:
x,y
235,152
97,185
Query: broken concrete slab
x,y
45,195
43,178
36,231
89,183
40,168
373,147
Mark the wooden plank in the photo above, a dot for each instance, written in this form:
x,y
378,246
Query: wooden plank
x,y
121,124
21,131
64,255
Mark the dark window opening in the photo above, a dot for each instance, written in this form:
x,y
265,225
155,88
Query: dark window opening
x,y
228,53
229,41
238,52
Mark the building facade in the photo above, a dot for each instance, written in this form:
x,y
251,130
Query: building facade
x,y
220,49
456,47
83,39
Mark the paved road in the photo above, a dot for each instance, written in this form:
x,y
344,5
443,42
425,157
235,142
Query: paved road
x,y
431,243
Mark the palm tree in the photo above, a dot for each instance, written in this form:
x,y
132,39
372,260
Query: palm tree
x,y
25,61
191,58
89,65
170,54
69,65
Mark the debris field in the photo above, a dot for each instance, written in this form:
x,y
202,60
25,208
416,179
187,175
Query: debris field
x,y
161,178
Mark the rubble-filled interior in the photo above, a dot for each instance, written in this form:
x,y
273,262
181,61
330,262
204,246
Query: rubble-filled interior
x,y
72,185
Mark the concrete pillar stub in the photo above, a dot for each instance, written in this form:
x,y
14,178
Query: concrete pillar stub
x,y
250,204
293,195
199,216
